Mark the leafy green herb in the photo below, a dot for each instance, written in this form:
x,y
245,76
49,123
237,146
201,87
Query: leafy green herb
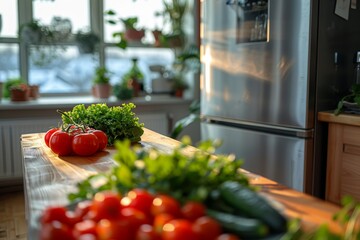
x,y
118,122
177,174
354,97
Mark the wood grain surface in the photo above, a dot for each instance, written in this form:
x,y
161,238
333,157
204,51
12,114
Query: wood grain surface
x,y
343,154
349,119
49,178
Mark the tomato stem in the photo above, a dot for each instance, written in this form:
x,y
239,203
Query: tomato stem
x,y
66,115
82,127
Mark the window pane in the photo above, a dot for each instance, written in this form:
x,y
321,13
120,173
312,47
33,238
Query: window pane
x,y
68,72
8,18
146,18
119,62
9,61
78,12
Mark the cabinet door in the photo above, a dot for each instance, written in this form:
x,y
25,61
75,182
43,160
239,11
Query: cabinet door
x,y
343,164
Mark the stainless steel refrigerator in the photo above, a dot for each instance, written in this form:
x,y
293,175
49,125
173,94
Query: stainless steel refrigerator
x,y
267,68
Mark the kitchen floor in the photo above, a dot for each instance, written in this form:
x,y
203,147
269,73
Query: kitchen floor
x,y
13,224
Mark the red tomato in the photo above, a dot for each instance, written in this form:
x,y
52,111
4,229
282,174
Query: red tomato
x,y
178,229
193,210
226,236
135,218
111,230
139,199
160,220
206,228
165,204
48,134
74,130
102,138
82,208
60,143
55,231
87,236
84,227
55,213
85,144
73,218
105,205
146,232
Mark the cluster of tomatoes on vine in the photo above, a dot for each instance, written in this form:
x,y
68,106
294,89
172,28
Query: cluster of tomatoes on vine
x,y
138,215
75,139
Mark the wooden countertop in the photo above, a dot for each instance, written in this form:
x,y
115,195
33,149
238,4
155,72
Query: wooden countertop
x,y
343,118
49,178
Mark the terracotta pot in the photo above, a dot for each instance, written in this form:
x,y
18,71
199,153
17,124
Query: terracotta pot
x,y
179,93
18,95
101,90
137,87
34,91
156,34
134,35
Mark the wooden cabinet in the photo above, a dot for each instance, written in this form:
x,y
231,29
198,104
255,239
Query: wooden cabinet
x,y
343,156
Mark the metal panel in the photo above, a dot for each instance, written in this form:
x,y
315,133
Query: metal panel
x,y
277,157
264,82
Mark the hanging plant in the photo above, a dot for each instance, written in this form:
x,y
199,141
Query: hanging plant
x,y
43,39
86,41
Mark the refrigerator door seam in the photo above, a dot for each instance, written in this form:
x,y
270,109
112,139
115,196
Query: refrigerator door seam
x,y
301,133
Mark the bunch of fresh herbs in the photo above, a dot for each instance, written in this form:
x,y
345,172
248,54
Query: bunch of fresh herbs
x,y
183,176
118,122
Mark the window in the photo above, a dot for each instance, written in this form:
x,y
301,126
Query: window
x,y
9,48
8,14
9,61
59,67
78,12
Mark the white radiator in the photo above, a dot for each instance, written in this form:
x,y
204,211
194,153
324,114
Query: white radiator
x,y
158,122
11,131
10,146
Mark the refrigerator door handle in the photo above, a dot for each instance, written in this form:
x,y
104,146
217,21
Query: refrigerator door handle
x,y
295,132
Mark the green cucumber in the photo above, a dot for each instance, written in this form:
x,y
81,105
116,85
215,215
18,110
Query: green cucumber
x,y
215,202
243,227
253,205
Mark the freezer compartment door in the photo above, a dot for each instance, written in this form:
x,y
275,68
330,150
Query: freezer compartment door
x,y
277,157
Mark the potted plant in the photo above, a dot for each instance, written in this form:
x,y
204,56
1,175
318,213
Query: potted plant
x,y
19,92
130,33
101,83
34,92
135,78
16,89
157,36
179,85
123,91
86,41
11,82
173,13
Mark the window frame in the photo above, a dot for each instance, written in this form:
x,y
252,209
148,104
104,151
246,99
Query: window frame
x,y
25,12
